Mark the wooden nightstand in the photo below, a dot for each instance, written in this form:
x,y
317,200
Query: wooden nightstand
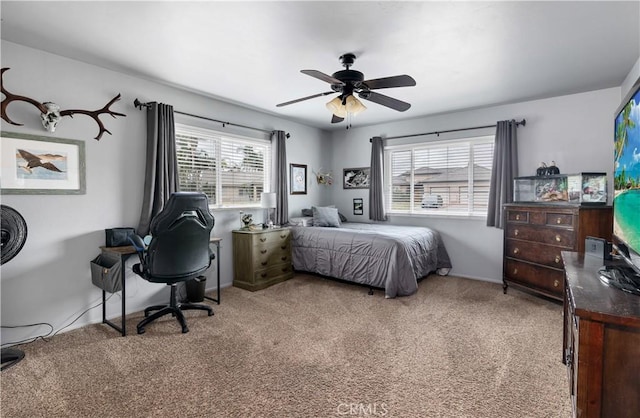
x,y
261,258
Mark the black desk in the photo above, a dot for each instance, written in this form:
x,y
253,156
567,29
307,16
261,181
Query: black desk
x,y
124,253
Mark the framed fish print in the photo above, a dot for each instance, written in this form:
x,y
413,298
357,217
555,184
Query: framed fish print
x,y
32,164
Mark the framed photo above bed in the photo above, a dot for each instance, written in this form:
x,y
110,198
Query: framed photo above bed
x,y
358,206
356,178
297,179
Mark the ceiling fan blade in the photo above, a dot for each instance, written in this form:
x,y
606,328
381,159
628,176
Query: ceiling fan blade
x,y
383,100
389,82
336,119
322,76
305,98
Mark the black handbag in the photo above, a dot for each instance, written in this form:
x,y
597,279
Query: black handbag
x,y
118,237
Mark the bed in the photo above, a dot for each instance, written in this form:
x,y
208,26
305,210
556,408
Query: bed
x,y
390,257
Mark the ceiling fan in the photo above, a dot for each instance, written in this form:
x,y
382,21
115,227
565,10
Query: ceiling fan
x,y
348,82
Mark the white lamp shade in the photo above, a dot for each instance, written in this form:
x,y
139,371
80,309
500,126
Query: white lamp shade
x,y
336,107
268,200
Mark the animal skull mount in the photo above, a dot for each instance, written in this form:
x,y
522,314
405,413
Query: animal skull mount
x,y
51,114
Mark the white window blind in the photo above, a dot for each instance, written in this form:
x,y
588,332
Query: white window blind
x,y
231,170
443,177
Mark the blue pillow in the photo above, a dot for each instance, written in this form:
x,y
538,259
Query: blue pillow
x,y
325,216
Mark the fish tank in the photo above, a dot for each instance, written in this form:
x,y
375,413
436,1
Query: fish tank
x,y
576,189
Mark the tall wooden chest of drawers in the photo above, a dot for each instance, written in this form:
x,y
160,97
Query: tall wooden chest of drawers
x,y
261,258
536,234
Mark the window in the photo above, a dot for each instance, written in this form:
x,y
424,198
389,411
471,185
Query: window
x,y
231,170
436,177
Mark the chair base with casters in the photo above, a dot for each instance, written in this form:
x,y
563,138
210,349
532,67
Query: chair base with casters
x,y
174,308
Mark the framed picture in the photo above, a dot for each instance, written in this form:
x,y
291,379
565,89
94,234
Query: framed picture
x,y
356,178
298,179
358,206
32,164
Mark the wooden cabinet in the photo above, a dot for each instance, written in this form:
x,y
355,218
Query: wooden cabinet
x,y
601,346
535,235
261,258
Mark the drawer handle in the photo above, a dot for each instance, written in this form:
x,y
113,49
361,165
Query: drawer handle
x,y
283,247
263,275
264,263
283,258
556,283
516,232
517,217
263,251
285,269
516,250
283,236
515,271
557,259
263,239
559,221
558,238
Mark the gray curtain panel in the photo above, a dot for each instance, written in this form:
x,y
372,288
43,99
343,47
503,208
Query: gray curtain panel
x,y
279,139
376,181
505,168
161,177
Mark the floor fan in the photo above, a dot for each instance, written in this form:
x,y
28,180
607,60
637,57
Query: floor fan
x,y
14,235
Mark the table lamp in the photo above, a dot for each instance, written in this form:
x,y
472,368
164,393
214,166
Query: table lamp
x,y
268,201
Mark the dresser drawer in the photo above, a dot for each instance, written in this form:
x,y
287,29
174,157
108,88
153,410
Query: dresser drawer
x,y
273,272
521,216
559,219
268,259
534,252
544,278
271,239
560,237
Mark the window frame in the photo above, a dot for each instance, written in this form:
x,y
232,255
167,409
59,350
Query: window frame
x,y
412,146
219,138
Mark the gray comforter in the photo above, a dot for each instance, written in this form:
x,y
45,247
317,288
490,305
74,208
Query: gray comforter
x,y
383,256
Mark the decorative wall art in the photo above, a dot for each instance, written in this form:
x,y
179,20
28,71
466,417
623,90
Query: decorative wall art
x,y
298,179
358,206
40,165
51,114
356,178
325,179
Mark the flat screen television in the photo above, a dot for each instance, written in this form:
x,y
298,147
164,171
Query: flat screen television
x,y
626,200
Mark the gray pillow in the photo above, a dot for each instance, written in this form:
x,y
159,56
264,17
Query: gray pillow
x,y
309,212
325,216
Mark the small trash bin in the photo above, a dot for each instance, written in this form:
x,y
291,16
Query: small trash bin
x,y
195,289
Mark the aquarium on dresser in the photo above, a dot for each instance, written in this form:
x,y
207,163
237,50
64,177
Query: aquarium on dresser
x,y
578,189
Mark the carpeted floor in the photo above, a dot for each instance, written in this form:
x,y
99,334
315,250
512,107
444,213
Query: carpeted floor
x,y
310,347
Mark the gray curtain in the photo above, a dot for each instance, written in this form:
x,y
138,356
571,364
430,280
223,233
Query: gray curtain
x,y
279,139
376,181
505,168
161,177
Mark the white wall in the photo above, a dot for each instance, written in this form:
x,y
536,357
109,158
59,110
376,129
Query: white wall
x,y
49,280
576,131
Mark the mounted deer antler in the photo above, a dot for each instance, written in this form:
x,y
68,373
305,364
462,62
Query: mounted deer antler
x,y
51,113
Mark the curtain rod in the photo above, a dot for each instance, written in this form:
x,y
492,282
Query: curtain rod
x,y
137,103
523,122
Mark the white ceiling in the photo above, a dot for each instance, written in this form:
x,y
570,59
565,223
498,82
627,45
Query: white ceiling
x,y
462,54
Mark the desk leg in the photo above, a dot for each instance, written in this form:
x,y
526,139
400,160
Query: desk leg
x,y
217,275
122,329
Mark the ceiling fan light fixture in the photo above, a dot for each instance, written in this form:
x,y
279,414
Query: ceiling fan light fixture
x,y
336,107
354,106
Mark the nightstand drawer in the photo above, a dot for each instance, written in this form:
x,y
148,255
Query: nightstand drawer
x,y
266,260
273,272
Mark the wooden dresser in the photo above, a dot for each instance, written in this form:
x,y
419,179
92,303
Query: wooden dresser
x,y
601,346
535,235
261,258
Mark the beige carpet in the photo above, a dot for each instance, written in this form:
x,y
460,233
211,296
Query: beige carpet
x,y
310,347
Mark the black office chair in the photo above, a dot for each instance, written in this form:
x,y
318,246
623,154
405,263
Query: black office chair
x,y
179,251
